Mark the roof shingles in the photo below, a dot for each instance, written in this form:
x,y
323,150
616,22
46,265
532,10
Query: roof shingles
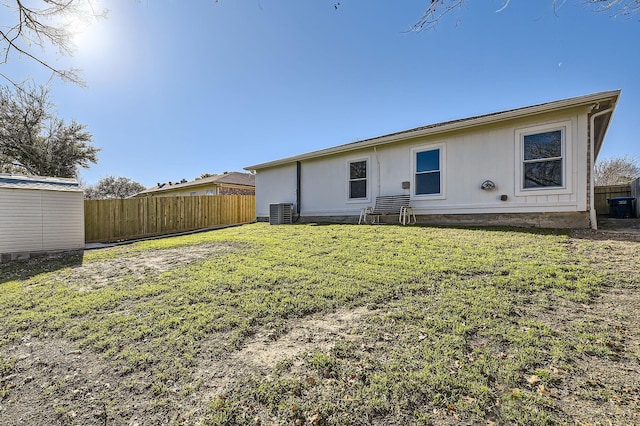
x,y
229,178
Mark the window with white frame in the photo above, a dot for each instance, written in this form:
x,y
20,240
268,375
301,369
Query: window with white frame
x,y
358,179
210,192
543,159
428,171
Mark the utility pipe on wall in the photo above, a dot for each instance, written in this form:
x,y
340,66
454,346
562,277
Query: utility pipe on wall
x,y
298,191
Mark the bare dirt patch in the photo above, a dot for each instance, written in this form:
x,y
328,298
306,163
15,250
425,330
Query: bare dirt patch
x,y
94,275
608,386
267,348
602,385
605,389
56,383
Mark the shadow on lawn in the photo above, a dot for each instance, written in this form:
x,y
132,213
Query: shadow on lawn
x,y
625,230
533,231
21,270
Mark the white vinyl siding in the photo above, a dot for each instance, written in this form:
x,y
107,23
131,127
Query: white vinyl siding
x,y
62,220
20,220
274,186
37,220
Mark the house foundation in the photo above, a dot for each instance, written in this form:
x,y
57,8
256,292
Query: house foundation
x,y
556,220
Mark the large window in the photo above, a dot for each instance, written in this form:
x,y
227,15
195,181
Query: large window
x,y
428,172
542,160
358,179
544,156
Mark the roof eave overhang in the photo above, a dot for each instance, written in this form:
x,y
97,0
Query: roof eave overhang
x,y
601,127
450,126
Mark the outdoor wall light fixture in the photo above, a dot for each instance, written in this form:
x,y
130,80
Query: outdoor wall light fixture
x,y
488,185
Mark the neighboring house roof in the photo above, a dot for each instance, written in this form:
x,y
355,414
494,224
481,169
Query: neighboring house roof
x,y
599,101
39,182
227,178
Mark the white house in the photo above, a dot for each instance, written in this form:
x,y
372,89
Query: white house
x,y
39,214
529,166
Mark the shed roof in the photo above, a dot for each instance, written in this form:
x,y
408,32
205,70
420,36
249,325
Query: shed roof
x,y
228,178
39,182
598,101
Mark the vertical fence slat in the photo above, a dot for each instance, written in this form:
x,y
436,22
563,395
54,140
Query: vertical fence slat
x,y
118,219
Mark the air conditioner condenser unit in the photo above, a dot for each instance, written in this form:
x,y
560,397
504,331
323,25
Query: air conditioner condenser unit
x,y
280,214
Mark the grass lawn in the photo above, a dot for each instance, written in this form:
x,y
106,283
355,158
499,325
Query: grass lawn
x,y
326,325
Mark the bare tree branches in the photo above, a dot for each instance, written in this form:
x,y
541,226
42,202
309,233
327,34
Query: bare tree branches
x,y
35,26
616,171
437,9
616,7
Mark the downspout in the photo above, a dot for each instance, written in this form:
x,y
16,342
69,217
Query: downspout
x,y
298,193
592,209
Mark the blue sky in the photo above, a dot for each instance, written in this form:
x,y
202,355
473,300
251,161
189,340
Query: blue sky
x,y
176,89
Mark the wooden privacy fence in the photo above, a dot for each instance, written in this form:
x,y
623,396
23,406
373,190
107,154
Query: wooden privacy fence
x,y
125,219
603,193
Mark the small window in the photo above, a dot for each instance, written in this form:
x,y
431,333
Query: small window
x,y
542,160
358,179
428,172
209,191
193,193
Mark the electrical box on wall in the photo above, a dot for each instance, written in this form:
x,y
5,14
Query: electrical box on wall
x,y
406,185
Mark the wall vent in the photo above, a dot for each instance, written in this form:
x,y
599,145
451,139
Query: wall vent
x,y
280,214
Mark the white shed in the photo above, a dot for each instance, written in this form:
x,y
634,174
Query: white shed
x,y
39,214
